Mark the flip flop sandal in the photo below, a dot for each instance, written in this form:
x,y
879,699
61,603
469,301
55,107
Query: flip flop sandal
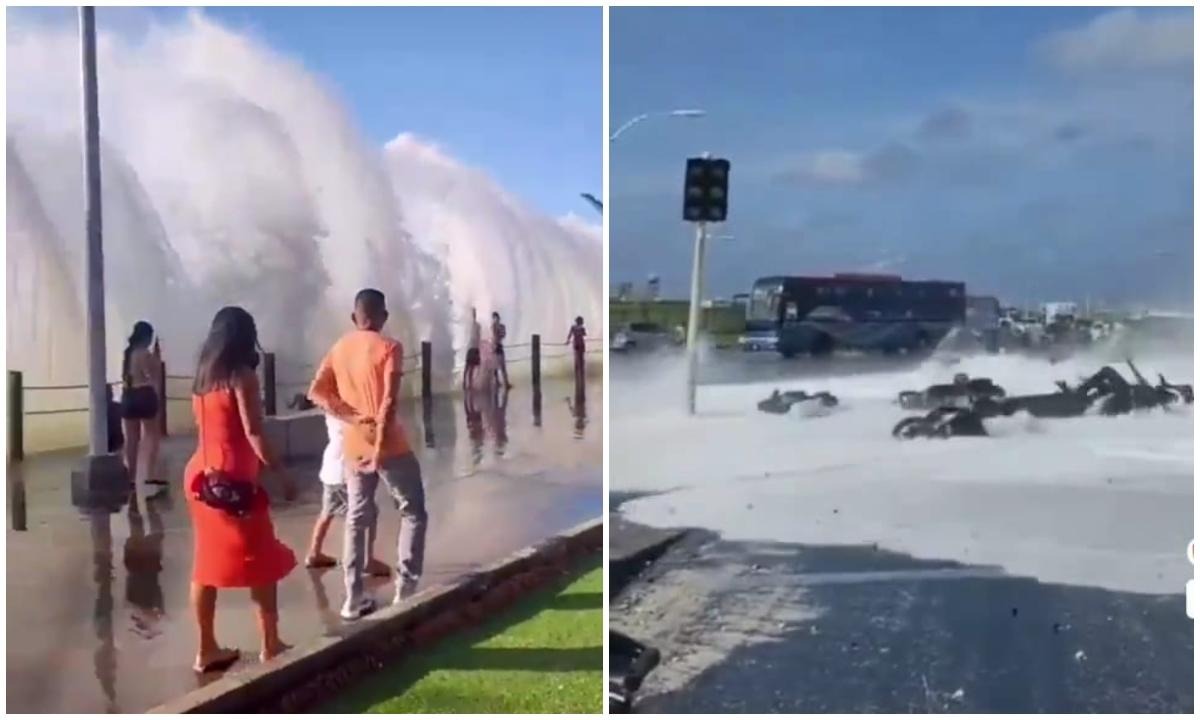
x,y
314,564
282,650
156,482
225,658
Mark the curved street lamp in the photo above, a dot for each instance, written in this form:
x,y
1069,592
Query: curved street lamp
x,y
686,113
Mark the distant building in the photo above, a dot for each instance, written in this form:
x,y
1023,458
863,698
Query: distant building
x,y
1053,311
653,287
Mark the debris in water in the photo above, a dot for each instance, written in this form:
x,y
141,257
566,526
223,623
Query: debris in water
x,y
1080,655
958,694
1014,612
835,511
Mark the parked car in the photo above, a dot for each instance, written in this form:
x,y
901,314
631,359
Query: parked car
x,y
640,336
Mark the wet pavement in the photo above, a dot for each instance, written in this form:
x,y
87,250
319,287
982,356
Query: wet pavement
x,y
97,608
752,627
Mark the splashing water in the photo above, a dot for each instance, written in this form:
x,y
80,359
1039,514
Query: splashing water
x,y
231,176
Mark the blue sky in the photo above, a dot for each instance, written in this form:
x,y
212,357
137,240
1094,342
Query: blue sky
x,y
1034,152
516,92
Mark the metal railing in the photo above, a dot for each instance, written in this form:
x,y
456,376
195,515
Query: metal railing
x,y
18,390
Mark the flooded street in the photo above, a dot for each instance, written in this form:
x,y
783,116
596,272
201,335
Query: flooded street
x,y
839,569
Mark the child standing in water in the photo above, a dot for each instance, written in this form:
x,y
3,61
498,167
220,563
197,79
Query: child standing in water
x,y
575,338
334,502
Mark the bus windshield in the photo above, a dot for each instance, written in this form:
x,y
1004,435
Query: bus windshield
x,y
764,302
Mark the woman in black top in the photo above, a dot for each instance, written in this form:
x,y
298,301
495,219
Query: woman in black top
x,y
140,400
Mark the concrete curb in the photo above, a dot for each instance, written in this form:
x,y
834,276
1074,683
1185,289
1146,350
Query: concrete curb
x,y
305,676
626,565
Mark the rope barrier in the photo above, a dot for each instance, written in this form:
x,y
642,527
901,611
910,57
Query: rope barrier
x,y
61,387
62,411
410,367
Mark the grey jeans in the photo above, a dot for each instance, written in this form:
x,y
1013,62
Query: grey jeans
x,y
402,477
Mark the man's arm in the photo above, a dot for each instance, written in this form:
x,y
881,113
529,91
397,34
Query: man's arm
x,y
324,393
392,372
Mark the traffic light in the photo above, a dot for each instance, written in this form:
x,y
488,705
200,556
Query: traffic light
x,y
706,190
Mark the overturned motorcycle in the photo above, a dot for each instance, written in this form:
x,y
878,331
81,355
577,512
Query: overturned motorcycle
x,y
782,403
1107,390
963,392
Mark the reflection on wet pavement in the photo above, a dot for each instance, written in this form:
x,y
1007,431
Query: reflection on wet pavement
x,y
89,631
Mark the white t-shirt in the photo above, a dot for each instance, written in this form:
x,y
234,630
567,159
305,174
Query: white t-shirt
x,y
333,462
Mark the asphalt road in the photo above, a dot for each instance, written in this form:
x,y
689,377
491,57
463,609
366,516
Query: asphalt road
x,y
764,627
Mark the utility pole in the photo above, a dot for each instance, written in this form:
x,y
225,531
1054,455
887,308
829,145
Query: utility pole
x,y
103,473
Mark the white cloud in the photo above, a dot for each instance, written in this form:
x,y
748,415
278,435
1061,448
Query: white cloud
x,y
892,161
1123,40
835,167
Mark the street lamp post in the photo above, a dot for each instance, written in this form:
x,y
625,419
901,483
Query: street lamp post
x,y
103,471
686,113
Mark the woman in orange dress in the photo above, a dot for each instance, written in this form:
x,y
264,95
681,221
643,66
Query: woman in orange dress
x,y
233,551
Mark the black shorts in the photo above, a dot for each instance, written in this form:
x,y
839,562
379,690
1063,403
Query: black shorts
x,y
473,357
139,403
500,350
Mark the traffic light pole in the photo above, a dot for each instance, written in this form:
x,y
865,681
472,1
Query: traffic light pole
x,y
693,328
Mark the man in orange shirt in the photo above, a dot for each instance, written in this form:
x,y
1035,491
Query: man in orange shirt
x,y
358,382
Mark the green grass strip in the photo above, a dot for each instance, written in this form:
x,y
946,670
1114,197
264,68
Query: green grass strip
x,y
543,655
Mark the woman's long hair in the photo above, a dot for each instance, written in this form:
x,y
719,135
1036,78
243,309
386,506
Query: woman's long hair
x,y
141,336
231,346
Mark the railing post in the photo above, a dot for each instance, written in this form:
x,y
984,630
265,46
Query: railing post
x,y
269,384
16,416
426,369
536,361
162,398
535,357
20,507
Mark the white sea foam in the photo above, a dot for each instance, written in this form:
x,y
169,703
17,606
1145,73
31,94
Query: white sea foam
x,y
233,176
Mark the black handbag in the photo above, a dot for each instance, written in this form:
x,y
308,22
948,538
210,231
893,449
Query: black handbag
x,y
218,489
